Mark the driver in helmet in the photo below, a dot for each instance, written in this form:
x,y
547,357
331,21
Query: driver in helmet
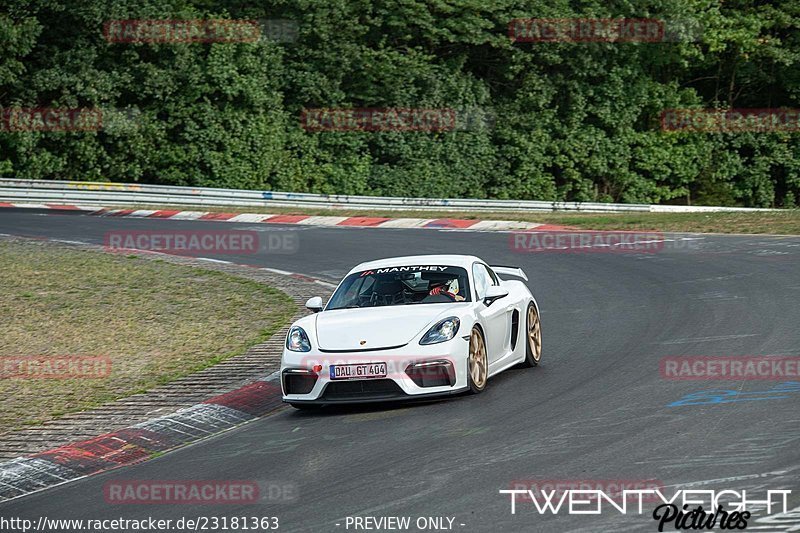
x,y
447,288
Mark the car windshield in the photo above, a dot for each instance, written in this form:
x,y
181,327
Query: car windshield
x,y
401,285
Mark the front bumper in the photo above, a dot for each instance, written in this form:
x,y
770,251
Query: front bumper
x,y
415,373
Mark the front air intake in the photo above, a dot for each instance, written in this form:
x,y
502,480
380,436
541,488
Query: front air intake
x,y
298,381
432,373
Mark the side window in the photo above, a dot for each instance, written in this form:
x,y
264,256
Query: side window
x,y
495,280
481,279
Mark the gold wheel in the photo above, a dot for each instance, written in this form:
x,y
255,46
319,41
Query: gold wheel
x,y
478,361
534,333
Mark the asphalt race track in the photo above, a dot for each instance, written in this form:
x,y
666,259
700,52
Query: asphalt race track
x,y
596,409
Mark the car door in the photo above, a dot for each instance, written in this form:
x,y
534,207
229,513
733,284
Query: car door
x,y
495,317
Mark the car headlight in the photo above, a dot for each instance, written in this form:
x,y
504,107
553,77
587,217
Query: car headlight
x,y
297,340
444,330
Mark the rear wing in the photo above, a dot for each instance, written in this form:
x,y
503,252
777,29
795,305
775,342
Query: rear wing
x,y
510,271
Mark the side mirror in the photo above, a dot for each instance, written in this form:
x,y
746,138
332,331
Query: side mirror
x,y
315,304
494,292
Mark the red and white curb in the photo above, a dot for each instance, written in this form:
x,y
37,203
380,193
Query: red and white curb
x,y
139,442
302,220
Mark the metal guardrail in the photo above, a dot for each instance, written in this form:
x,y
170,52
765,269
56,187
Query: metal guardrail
x,y
114,194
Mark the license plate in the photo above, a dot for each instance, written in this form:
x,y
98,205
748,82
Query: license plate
x,y
359,371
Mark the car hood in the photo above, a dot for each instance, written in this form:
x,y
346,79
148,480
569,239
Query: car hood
x,y
380,327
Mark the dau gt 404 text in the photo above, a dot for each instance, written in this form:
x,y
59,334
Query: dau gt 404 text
x,y
411,327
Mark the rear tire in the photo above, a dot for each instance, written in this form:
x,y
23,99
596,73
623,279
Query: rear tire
x,y
533,328
477,362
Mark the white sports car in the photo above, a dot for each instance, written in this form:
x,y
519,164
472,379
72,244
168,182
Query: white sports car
x,y
411,327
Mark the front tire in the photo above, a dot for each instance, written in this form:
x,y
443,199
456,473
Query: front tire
x,y
533,327
477,362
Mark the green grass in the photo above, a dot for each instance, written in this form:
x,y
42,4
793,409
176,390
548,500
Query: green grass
x,y
786,222
156,321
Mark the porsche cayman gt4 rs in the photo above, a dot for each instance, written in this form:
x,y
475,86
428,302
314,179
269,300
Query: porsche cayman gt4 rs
x,y
410,328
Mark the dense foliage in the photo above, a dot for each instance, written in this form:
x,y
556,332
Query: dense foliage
x,y
572,120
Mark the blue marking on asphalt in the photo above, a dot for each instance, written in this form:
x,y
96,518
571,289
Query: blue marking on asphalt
x,y
778,392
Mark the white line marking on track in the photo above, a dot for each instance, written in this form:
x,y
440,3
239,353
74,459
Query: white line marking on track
x,y
276,271
709,339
